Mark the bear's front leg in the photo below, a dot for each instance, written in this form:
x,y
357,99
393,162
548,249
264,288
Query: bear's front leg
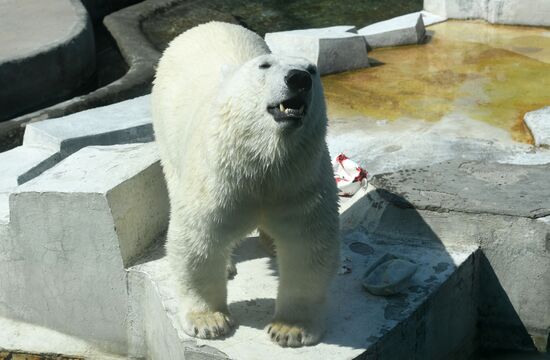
x,y
307,254
198,259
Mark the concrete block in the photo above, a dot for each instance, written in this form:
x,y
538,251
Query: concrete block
x,y
72,232
359,324
45,45
124,122
534,12
333,49
402,30
538,123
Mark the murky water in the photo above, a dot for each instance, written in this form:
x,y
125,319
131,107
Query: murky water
x,y
472,69
264,16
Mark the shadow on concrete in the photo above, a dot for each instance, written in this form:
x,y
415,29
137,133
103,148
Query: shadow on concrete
x,y
499,326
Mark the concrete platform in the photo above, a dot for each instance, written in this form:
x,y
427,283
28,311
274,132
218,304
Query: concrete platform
x,y
412,324
45,45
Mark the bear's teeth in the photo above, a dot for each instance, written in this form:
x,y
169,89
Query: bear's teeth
x,y
301,110
282,108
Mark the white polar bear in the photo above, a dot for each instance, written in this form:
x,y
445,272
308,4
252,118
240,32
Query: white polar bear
x,y
241,135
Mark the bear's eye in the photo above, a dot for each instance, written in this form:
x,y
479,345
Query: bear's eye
x,y
265,65
311,69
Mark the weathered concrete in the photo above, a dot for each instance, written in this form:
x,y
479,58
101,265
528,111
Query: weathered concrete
x,y
538,123
45,45
533,12
359,324
494,206
402,30
333,49
431,19
72,231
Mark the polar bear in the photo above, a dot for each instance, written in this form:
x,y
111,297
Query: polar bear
x,y
241,136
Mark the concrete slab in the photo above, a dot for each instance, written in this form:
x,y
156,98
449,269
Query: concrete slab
x,y
360,324
535,12
538,123
333,49
123,122
72,232
514,190
402,30
45,44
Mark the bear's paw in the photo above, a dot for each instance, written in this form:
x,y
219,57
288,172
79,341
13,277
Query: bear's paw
x,y
288,335
208,325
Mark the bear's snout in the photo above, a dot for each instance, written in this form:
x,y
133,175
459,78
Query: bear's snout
x,y
298,80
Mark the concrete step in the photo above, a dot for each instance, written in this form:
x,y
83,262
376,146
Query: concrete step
x,y
414,324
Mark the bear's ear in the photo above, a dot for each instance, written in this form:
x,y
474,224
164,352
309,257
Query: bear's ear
x,y
227,70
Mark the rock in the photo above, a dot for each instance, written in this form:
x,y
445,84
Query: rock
x,y
533,12
388,275
402,30
333,49
538,123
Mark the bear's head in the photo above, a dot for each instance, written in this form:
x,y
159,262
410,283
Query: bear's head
x,y
273,96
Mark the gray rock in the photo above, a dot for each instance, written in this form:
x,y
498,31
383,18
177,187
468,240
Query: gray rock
x,y
388,275
402,30
538,123
333,49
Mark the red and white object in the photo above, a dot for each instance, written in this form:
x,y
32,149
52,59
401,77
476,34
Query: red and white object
x,y
349,176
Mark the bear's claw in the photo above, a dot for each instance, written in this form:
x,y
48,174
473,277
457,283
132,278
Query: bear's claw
x,y
208,325
291,335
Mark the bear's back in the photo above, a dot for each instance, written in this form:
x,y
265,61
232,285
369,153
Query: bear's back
x,y
188,78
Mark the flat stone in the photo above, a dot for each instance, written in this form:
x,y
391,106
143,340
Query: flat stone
x,y
534,12
389,275
538,123
333,49
472,187
402,30
72,232
359,323
45,45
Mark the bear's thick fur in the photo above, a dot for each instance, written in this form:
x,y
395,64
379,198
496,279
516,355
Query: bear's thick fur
x,y
241,135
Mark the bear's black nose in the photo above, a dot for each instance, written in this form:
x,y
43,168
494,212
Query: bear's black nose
x,y
298,80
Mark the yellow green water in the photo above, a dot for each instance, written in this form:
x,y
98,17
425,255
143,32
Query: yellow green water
x,y
492,73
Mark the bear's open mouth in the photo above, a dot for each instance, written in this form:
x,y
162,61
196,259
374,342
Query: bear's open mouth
x,y
292,109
